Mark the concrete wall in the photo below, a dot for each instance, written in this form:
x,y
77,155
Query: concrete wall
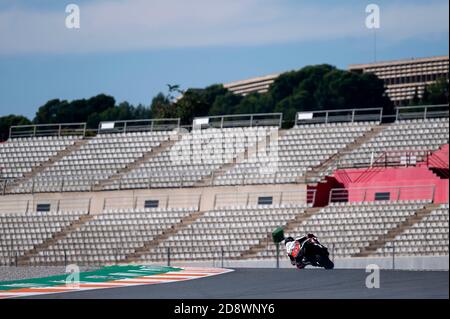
x,y
206,198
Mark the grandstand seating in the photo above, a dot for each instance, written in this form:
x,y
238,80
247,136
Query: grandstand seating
x,y
20,155
234,229
205,153
347,228
407,135
427,237
195,156
222,157
298,150
20,232
111,236
95,161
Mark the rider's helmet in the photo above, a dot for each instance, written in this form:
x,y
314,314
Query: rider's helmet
x,y
287,240
289,243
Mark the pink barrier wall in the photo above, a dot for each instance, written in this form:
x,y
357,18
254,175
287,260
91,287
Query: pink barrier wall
x,y
405,183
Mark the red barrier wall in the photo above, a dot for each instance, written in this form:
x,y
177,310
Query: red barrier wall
x,y
323,191
390,179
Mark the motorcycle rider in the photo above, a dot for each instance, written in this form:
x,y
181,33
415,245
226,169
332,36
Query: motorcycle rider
x,y
296,251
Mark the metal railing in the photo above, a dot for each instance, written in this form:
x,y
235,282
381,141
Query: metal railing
x,y
239,120
39,130
421,112
36,185
400,158
335,116
222,253
382,193
89,183
215,256
145,125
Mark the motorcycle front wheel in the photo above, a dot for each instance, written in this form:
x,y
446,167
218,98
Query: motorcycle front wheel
x,y
325,262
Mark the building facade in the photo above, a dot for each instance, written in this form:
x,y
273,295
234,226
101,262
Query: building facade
x,y
254,85
403,78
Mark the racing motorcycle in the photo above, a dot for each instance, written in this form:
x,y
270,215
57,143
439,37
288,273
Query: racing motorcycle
x,y
316,254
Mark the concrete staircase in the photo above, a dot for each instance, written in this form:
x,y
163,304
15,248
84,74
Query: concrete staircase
x,y
52,160
184,223
327,167
26,258
438,162
129,167
288,228
390,236
209,179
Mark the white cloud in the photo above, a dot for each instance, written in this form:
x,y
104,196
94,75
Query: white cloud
x,y
152,24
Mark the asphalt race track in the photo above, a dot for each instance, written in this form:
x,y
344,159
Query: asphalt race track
x,y
285,283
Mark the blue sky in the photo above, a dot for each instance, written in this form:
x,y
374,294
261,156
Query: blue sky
x,y
132,49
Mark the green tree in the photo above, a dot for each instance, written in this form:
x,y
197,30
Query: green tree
x,y
436,93
324,87
415,99
10,120
162,107
312,88
197,102
62,111
255,103
225,104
